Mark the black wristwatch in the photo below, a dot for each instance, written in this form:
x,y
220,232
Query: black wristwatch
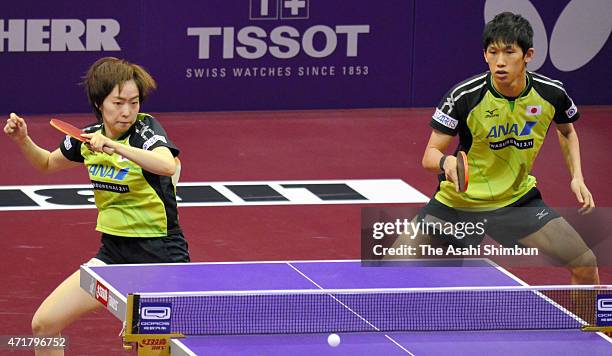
x,y
441,164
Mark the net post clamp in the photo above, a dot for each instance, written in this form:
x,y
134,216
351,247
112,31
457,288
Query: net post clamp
x,y
147,344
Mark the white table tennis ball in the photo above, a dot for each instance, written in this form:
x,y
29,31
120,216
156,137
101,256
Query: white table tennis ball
x,y
333,340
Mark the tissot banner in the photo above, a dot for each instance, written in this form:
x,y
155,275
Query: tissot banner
x,y
287,54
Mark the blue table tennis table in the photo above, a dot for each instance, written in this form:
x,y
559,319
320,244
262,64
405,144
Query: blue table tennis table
x,y
111,284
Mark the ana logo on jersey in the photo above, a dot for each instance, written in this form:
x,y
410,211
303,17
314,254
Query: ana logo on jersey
x,y
102,171
497,131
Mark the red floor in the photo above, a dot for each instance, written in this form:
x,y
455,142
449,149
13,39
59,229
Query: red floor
x,y
39,248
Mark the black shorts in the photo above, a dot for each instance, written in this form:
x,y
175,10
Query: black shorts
x,y
506,225
167,249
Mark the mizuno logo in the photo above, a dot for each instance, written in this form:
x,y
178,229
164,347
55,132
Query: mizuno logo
x,y
542,214
491,113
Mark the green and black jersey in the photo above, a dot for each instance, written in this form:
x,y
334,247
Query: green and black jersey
x,y
131,202
501,136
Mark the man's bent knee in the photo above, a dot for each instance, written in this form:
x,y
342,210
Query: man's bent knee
x,y
586,259
584,269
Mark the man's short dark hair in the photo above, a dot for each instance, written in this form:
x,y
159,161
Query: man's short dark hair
x,y
508,28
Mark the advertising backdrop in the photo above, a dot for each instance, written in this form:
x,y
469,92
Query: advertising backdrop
x,y
210,55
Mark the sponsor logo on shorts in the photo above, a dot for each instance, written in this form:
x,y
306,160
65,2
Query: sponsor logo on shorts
x,y
542,214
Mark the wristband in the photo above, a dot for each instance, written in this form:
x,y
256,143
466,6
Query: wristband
x,y
441,164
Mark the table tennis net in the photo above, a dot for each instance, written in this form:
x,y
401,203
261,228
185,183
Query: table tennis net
x,y
324,311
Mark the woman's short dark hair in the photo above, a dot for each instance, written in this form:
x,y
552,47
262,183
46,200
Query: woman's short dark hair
x,y
508,28
108,72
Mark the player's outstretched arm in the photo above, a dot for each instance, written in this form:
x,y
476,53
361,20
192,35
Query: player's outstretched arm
x,y
570,146
17,130
436,146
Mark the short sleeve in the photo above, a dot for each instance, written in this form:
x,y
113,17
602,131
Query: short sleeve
x,y
150,134
444,119
554,92
565,109
71,149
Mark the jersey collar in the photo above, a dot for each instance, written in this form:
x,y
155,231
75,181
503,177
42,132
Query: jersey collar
x,y
125,134
501,96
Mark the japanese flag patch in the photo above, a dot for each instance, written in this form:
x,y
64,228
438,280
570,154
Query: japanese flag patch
x,y
533,110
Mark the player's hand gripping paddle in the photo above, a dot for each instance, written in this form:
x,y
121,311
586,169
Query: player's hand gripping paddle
x,y
74,132
462,171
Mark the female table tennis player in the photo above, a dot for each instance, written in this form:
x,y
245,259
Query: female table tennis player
x,y
134,192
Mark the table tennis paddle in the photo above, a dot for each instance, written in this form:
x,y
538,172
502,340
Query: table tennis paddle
x,y
462,171
68,129
74,132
